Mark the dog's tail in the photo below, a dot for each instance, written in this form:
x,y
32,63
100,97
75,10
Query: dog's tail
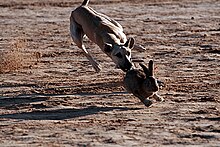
x,y
85,2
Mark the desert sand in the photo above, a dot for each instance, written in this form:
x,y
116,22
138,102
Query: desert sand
x,y
51,96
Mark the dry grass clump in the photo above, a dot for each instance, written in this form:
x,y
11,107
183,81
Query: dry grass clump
x,y
11,60
14,58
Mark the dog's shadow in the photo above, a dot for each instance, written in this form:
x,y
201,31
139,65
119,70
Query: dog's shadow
x,y
43,112
62,114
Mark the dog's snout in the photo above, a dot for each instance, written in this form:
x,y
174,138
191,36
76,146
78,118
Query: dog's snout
x,y
128,65
126,68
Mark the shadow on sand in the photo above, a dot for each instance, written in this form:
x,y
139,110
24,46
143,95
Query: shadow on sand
x,y
48,113
61,114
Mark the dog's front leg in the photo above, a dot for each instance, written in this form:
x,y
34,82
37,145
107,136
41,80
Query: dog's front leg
x,y
92,61
77,35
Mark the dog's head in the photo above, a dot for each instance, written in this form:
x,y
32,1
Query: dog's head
x,y
121,54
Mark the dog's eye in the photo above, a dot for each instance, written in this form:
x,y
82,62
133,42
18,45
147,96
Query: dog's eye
x,y
128,53
119,55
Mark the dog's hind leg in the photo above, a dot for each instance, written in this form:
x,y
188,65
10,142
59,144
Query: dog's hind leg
x,y
77,36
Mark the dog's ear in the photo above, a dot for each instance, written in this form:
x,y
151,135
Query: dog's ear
x,y
129,43
107,47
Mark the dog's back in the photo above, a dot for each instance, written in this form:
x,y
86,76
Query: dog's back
x,y
91,19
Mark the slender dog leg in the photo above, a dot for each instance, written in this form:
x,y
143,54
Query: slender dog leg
x,y
94,64
77,36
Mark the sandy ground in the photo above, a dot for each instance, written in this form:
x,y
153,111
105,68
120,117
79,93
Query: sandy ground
x,y
56,98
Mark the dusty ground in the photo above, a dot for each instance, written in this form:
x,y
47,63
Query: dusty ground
x,y
55,98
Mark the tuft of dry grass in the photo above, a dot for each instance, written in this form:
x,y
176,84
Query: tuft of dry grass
x,y
10,61
15,58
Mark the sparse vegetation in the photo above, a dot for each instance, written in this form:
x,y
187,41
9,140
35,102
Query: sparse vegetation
x,y
15,58
10,61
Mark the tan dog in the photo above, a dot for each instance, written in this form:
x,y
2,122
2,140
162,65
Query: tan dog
x,y
105,32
